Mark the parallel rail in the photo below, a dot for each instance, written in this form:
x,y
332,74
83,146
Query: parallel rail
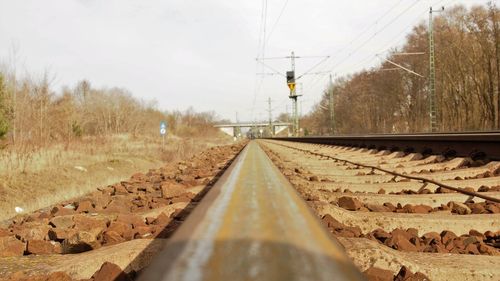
x,y
474,145
412,177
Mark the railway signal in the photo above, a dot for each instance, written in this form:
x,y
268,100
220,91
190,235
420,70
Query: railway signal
x,y
290,77
291,81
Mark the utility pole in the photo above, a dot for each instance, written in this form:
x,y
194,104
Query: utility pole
x,y
271,128
287,119
237,129
432,75
332,113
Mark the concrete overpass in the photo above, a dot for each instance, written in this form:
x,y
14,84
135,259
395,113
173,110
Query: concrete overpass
x,y
233,129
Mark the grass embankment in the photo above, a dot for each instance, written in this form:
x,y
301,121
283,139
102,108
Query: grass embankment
x,y
34,179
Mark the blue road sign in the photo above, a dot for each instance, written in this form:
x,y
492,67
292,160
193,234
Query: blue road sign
x,y
163,128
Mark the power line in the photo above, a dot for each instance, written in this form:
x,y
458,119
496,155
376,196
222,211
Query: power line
x,y
319,79
360,35
277,20
380,18
372,57
281,103
260,48
375,34
396,38
369,26
385,49
264,30
314,66
391,43
271,68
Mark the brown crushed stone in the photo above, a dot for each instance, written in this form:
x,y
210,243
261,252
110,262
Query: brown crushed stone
x,y
108,272
474,243
112,214
404,274
458,208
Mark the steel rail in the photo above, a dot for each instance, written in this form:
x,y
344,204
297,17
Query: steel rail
x,y
252,225
396,174
467,144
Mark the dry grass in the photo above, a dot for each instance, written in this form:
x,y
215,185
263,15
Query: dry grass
x,y
34,178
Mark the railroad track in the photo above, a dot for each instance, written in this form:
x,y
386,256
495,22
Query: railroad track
x,y
433,214
252,225
374,213
280,210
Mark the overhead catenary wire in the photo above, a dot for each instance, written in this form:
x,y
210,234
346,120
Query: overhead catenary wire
x,y
325,59
321,79
387,12
418,18
376,21
283,101
277,72
260,52
375,34
392,42
277,21
313,67
404,68
388,46
368,28
264,30
318,81
333,65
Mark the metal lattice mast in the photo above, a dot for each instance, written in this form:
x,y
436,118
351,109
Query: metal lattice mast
x,y
332,113
271,128
432,76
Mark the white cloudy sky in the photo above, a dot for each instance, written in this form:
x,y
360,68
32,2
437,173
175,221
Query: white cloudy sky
x,y
185,53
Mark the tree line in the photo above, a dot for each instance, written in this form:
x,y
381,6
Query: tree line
x,y
385,99
31,112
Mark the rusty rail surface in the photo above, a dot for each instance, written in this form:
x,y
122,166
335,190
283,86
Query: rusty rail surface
x,y
252,225
470,144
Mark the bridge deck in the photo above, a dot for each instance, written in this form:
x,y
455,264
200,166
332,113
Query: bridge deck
x,y
249,125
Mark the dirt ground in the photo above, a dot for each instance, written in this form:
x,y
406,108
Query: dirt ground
x,y
57,173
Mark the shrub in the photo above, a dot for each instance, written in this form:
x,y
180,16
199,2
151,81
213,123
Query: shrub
x,y
4,124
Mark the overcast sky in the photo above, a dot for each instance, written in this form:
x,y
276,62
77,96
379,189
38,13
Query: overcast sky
x,y
198,53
